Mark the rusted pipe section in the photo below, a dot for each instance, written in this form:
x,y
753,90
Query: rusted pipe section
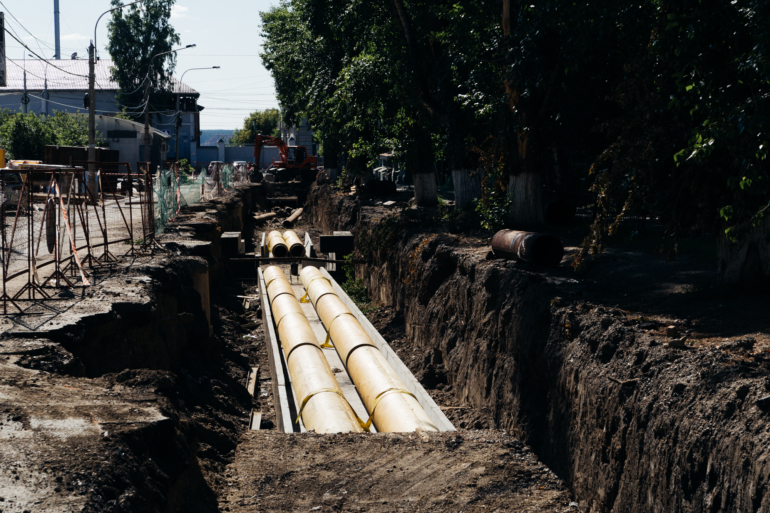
x,y
276,244
289,221
537,248
296,248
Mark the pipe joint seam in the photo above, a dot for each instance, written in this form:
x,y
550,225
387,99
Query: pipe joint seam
x,y
314,344
347,358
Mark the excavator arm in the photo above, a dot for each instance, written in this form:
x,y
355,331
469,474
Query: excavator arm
x,y
267,140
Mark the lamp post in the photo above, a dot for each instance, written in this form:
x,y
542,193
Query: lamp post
x,y
179,115
147,138
92,101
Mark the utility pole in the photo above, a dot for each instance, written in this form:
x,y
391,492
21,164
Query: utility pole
x,y
147,138
24,97
91,182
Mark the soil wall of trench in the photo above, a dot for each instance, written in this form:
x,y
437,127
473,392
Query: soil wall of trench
x,y
629,423
136,344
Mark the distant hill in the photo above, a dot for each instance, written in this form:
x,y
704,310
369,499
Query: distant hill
x,y
210,137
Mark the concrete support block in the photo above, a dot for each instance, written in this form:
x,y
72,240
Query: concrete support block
x,y
231,244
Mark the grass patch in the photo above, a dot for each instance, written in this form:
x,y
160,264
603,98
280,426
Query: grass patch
x,y
356,289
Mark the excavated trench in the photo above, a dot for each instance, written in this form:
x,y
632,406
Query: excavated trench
x,y
629,423
133,398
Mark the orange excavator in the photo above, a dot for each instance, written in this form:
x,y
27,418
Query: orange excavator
x,y
293,161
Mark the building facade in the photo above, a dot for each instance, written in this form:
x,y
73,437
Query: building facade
x,y
48,86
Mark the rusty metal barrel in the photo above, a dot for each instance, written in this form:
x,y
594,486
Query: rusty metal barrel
x,y
537,248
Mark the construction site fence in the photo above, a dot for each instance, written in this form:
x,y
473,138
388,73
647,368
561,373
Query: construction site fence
x,y
60,226
174,189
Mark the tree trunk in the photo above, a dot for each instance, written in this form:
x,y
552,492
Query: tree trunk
x,y
425,189
747,262
525,193
467,187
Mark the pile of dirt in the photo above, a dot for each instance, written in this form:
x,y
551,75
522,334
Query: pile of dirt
x,y
470,471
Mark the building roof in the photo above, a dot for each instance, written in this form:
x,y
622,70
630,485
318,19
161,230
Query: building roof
x,y
66,75
101,121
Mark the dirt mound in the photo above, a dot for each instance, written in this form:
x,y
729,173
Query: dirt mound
x,y
471,471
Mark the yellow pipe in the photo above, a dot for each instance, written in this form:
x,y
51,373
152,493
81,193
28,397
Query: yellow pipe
x,y
391,407
276,244
323,408
296,248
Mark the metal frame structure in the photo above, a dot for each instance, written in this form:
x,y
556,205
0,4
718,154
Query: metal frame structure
x,y
61,184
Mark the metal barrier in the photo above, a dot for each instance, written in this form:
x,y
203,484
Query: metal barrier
x,y
86,221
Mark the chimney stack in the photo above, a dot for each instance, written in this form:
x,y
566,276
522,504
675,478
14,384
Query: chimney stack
x,y
57,55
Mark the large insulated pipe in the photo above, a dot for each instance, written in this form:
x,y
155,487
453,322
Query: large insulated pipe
x,y
296,248
323,408
538,248
392,408
276,244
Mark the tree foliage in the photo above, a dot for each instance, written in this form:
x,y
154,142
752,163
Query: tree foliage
x,y
258,122
644,108
136,35
25,136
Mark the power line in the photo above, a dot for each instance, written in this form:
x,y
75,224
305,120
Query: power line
x,y
44,59
25,28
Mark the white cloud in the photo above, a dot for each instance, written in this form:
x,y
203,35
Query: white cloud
x,y
178,11
74,37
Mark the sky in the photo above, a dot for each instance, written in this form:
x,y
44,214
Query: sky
x,y
226,33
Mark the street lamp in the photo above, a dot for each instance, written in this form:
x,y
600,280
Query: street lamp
x,y
147,138
92,100
178,114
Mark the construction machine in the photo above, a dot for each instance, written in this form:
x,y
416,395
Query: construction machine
x,y
293,161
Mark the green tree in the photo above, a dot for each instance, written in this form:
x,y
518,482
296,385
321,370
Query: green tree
x,y
25,136
136,35
690,139
258,122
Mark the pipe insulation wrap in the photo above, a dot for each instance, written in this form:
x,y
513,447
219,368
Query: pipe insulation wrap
x,y
392,408
323,407
296,247
276,245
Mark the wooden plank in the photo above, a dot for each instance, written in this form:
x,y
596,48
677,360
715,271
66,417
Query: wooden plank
x,y
251,384
255,421
426,401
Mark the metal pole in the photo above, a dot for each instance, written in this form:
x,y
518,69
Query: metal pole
x,y
91,116
57,54
24,97
91,96
178,125
147,138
